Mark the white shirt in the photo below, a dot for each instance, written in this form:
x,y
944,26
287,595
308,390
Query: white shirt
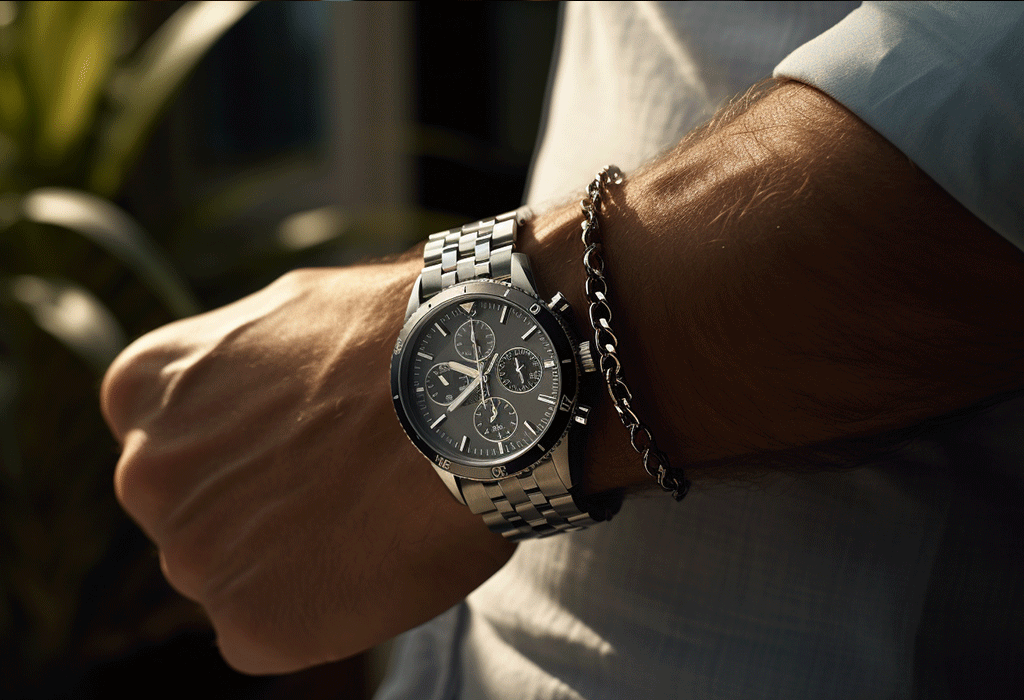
x,y
900,579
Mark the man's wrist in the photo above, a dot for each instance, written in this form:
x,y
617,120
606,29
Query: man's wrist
x,y
783,283
552,241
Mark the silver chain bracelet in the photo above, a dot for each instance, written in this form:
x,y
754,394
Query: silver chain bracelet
x,y
654,460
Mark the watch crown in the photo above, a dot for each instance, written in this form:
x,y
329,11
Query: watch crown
x,y
559,303
586,357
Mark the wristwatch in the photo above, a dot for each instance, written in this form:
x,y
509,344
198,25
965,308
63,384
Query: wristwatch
x,y
487,380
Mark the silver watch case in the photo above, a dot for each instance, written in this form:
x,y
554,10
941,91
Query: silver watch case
x,y
561,337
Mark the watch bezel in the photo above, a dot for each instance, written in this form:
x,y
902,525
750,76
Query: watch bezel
x,y
563,343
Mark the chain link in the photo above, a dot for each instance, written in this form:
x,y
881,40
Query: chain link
x,y
607,344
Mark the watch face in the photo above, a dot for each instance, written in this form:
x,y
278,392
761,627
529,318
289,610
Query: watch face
x,y
484,379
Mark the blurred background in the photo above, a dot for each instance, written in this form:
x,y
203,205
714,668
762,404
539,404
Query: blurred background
x,y
160,159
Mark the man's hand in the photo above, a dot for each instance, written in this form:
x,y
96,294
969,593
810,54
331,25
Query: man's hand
x,y
262,455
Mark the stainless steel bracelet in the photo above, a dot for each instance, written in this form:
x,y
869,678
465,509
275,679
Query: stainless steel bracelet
x,y
538,503
479,250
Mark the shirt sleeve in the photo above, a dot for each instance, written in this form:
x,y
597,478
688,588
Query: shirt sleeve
x,y
944,83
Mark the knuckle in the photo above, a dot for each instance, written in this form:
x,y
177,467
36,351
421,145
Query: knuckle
x,y
144,484
132,385
181,573
194,564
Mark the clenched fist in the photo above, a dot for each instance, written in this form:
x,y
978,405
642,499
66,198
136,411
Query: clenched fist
x,y
263,457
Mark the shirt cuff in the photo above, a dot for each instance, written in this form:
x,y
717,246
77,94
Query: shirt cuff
x,y
944,83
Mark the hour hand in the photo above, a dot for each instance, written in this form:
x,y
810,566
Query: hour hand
x,y
464,369
465,393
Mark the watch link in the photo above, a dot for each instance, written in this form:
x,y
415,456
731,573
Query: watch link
x,y
486,379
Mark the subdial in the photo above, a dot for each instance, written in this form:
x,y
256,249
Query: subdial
x,y
519,370
474,340
495,419
443,383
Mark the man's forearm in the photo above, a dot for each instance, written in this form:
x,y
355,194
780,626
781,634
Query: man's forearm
x,y
786,281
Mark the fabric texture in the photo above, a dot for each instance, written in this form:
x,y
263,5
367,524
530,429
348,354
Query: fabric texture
x,y
944,82
896,580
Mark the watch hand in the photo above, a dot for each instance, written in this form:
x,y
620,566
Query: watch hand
x,y
519,371
463,369
476,358
462,397
485,374
494,411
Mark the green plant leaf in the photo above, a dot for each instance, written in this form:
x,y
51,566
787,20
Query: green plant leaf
x,y
68,51
13,109
146,86
110,227
72,315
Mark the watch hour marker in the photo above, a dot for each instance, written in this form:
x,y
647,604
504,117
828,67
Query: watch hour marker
x,y
467,307
549,364
545,398
425,356
440,419
528,333
530,426
501,449
419,389
441,329
504,314
462,445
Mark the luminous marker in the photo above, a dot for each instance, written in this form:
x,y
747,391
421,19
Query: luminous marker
x,y
462,445
440,419
396,397
528,333
506,292
442,329
566,360
501,449
545,398
419,389
549,364
530,427
467,307
425,356
504,314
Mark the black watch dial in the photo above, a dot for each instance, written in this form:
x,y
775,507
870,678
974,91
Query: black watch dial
x,y
484,380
